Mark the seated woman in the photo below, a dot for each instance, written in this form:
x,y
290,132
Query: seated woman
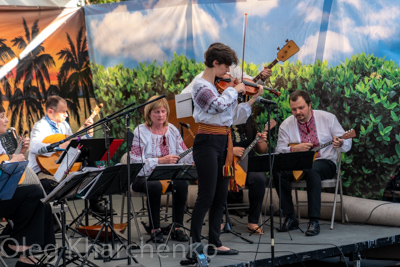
x,y
33,221
158,142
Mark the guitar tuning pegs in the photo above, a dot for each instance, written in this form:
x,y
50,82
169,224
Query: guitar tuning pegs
x,y
287,40
278,48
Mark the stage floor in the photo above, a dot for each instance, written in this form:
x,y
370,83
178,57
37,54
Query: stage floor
x,y
345,239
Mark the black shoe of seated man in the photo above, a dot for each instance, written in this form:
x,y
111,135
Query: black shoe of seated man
x,y
99,209
179,235
289,224
157,236
313,228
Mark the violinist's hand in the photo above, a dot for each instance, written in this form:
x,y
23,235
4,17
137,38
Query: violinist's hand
x,y
260,91
238,151
240,88
169,159
17,157
265,73
302,147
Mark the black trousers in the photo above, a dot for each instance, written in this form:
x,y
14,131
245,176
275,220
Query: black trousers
x,y
209,153
322,169
33,220
256,183
154,197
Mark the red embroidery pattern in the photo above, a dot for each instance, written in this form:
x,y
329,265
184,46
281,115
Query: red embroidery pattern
x,y
204,97
308,132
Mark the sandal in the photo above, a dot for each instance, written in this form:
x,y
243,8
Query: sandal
x,y
255,230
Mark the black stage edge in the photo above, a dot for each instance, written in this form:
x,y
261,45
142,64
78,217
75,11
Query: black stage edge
x,y
350,251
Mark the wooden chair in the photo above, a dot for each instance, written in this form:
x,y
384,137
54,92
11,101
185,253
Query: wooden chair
x,y
335,182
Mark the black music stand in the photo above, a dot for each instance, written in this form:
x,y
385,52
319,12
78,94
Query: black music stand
x,y
10,176
172,172
68,189
111,181
281,162
92,150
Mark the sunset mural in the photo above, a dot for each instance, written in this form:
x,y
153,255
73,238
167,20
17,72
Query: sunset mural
x,y
57,64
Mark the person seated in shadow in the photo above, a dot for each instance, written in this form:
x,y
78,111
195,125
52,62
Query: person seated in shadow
x,y
158,142
32,220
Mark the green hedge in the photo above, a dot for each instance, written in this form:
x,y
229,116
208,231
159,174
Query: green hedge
x,y
363,92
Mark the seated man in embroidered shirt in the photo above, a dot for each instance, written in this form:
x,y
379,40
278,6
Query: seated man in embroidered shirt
x,y
308,128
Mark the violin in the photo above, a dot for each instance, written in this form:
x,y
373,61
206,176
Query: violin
x,y
250,86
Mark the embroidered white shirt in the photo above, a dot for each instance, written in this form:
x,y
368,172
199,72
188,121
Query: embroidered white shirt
x,y
148,147
327,126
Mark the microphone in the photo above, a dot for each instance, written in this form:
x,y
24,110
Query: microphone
x,y
186,125
265,101
49,148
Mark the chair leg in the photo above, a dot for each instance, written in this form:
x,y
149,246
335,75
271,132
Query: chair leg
x,y
334,203
341,201
135,219
297,203
122,207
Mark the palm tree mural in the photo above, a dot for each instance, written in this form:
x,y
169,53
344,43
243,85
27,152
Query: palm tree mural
x,y
35,65
6,54
26,105
70,96
75,77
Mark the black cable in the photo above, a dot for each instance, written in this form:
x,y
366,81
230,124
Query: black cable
x,y
370,214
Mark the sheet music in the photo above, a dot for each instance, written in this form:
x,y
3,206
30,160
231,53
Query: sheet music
x,y
66,164
184,105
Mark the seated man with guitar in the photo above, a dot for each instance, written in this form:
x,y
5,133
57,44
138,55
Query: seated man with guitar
x,y
50,129
32,220
308,128
158,142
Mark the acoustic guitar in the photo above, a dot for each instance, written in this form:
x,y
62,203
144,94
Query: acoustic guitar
x,y
6,157
240,164
48,164
347,135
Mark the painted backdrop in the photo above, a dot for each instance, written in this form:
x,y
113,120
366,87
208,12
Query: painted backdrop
x,y
43,52
349,50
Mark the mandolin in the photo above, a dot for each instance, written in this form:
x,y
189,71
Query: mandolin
x,y
240,164
48,164
347,135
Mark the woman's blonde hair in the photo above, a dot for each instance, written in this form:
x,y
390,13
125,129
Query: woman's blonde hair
x,y
155,105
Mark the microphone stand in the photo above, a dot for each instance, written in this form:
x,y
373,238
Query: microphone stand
x,y
128,135
270,187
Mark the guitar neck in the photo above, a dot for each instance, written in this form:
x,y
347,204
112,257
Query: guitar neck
x,y
185,153
316,149
258,77
250,147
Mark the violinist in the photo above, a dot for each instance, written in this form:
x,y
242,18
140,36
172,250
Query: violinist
x,y
235,73
212,149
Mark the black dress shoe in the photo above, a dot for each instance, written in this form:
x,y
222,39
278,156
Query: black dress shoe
x,y
157,236
211,252
289,224
179,235
313,228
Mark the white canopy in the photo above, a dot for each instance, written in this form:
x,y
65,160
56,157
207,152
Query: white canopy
x,y
42,3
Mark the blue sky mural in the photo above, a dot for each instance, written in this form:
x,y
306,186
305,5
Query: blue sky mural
x,y
332,30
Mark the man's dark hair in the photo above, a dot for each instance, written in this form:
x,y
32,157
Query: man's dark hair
x,y
2,109
52,102
295,95
221,53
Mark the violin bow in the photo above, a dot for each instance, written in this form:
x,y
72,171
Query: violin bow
x,y
244,45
